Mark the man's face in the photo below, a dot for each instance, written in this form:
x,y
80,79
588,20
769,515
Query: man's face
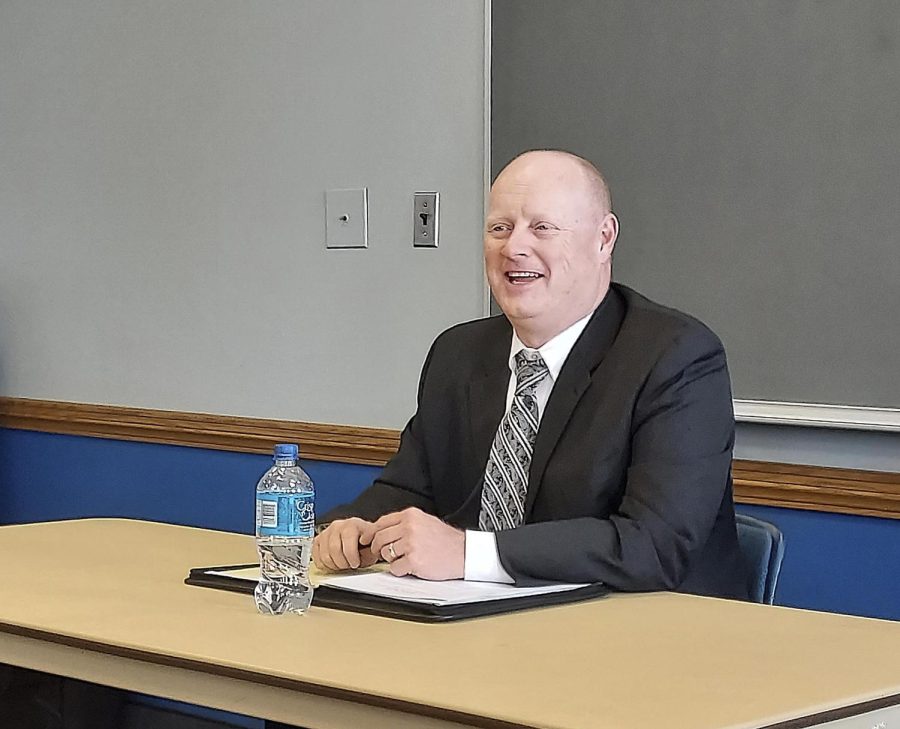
x,y
544,250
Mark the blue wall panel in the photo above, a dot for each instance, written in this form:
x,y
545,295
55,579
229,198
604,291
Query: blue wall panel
x,y
837,562
45,477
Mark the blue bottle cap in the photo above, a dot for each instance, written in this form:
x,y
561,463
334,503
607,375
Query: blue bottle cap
x,y
286,451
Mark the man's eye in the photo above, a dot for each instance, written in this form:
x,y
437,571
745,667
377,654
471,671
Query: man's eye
x,y
498,228
543,226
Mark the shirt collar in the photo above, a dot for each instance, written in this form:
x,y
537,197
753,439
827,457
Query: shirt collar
x,y
555,352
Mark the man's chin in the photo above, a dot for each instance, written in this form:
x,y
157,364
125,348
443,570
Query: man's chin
x,y
522,306
520,314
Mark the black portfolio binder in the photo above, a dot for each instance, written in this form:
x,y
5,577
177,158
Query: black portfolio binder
x,y
358,602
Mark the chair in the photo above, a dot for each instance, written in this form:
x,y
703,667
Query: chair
x,y
762,544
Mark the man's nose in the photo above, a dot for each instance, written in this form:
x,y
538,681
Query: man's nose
x,y
518,243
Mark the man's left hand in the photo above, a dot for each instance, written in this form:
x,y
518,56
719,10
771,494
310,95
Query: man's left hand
x,y
416,543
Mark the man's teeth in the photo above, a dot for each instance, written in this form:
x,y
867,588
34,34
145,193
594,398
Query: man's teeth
x,y
522,274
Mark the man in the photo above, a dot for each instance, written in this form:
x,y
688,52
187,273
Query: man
x,y
584,436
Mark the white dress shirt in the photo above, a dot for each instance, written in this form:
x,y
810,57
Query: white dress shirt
x,y
482,560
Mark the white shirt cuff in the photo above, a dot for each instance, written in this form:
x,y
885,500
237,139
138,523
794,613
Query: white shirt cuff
x,y
482,560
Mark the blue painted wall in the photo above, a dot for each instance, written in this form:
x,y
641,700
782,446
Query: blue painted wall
x,y
45,477
837,562
832,562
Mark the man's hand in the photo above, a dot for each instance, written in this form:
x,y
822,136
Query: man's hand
x,y
416,543
344,544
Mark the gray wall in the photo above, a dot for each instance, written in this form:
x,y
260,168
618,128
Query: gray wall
x,y
162,177
753,147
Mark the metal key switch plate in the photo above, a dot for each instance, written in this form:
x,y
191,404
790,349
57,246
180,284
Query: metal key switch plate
x,y
425,219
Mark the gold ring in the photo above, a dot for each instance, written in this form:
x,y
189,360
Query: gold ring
x,y
392,552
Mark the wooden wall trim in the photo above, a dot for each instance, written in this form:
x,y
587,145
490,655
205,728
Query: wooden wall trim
x,y
816,488
318,441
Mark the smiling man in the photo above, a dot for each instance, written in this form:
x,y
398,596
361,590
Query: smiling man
x,y
584,436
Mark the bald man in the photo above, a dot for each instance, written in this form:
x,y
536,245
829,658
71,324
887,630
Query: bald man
x,y
584,436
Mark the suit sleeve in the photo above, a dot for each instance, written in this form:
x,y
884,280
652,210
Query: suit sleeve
x,y
681,448
404,482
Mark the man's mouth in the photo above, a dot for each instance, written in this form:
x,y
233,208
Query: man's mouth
x,y
522,277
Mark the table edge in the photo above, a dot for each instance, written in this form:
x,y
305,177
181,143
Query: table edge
x,y
359,697
830,715
216,669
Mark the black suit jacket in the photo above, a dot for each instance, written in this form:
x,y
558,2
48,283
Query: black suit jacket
x,y
630,482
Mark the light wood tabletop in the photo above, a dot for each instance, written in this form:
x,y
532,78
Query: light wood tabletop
x,y
104,600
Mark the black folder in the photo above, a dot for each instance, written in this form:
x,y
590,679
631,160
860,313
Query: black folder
x,y
358,602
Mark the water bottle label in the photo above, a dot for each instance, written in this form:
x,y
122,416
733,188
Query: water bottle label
x,y
285,515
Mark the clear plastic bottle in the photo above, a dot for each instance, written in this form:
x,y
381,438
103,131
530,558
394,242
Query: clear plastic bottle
x,y
285,526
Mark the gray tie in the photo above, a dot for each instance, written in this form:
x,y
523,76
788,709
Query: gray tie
x,y
506,475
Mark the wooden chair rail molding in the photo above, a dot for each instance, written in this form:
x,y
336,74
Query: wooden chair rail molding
x,y
342,443
847,491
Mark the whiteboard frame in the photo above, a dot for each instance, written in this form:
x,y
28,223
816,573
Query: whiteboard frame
x,y
850,417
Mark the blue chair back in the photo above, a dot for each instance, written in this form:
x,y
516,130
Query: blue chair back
x,y
762,544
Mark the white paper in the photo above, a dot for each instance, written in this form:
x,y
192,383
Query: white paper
x,y
247,573
412,589
448,592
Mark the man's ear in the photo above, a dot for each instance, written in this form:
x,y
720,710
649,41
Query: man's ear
x,y
609,232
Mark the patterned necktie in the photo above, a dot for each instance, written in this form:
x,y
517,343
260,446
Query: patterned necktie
x,y
506,475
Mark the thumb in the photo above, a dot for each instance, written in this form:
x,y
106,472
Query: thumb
x,y
366,558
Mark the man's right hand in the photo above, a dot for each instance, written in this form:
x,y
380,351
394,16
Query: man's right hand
x,y
344,544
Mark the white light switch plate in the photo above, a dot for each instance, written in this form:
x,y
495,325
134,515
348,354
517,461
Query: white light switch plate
x,y
346,218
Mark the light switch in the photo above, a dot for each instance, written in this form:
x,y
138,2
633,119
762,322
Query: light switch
x,y
425,219
346,218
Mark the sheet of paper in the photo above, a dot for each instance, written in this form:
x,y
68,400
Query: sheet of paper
x,y
378,581
316,576
248,573
449,592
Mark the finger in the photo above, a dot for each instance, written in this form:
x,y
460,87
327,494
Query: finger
x,y
383,537
324,559
366,533
350,547
366,558
388,520
401,567
336,548
392,551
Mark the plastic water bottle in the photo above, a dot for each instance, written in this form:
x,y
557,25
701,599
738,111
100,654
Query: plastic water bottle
x,y
285,526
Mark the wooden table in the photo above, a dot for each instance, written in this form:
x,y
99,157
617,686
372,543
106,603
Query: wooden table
x,y
103,600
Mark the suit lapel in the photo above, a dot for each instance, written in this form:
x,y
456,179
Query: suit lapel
x,y
486,402
574,379
487,397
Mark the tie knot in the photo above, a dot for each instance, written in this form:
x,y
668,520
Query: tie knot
x,y
530,370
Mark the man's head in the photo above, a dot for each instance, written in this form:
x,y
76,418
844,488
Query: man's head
x,y
548,242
